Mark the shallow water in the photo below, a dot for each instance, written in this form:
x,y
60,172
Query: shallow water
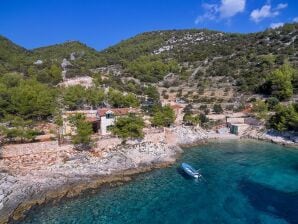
x,y
244,182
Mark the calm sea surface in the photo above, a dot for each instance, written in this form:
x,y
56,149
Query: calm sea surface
x,y
244,182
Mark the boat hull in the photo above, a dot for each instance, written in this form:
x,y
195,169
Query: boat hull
x,y
189,170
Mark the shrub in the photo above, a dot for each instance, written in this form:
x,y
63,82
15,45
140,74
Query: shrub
x,y
190,119
272,102
163,116
285,118
279,83
188,109
82,138
260,108
203,118
128,127
217,108
15,128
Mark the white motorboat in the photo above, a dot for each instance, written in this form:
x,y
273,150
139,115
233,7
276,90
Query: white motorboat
x,y
190,170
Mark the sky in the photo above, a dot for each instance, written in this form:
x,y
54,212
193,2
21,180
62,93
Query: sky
x,y
102,23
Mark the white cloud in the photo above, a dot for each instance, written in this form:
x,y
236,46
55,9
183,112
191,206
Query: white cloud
x,y
276,25
266,12
295,19
229,8
281,6
226,9
210,13
258,14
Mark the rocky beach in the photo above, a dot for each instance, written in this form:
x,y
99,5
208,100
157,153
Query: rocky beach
x,y
34,173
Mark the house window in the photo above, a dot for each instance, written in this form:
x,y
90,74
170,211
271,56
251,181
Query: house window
x,y
109,116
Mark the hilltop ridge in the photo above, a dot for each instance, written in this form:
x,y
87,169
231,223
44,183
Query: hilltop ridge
x,y
198,59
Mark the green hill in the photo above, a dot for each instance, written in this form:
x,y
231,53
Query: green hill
x,y
196,57
245,58
12,56
58,52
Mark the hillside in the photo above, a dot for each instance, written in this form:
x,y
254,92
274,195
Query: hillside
x,y
72,50
245,59
15,58
12,56
192,60
194,45
205,71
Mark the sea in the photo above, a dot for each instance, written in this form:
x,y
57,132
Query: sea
x,y
243,181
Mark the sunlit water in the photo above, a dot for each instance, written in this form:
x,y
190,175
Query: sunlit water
x,y
244,182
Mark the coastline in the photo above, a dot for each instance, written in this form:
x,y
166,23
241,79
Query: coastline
x,y
266,136
75,189
84,171
44,179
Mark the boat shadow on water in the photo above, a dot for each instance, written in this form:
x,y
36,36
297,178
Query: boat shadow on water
x,y
183,174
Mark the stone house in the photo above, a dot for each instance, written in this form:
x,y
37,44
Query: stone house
x,y
101,119
238,125
238,129
107,117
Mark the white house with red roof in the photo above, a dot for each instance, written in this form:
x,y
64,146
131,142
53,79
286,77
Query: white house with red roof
x,y
107,118
101,119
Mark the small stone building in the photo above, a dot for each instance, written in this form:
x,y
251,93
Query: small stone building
x,y
101,119
238,129
107,117
238,125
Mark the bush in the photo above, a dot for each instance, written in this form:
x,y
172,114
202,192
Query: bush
x,y
151,68
279,83
207,111
188,109
190,119
17,129
272,102
128,127
217,108
203,118
285,118
118,99
203,107
152,92
82,139
163,116
32,100
260,109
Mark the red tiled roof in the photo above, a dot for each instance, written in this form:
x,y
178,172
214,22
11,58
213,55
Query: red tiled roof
x,y
89,114
91,119
85,112
176,106
117,111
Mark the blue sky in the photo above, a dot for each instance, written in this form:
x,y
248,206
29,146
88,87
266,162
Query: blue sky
x,y
102,23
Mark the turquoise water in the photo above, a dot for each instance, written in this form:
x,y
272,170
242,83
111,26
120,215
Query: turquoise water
x,y
244,182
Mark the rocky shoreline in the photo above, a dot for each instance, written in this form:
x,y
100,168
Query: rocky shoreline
x,y
285,139
33,174
73,189
39,172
